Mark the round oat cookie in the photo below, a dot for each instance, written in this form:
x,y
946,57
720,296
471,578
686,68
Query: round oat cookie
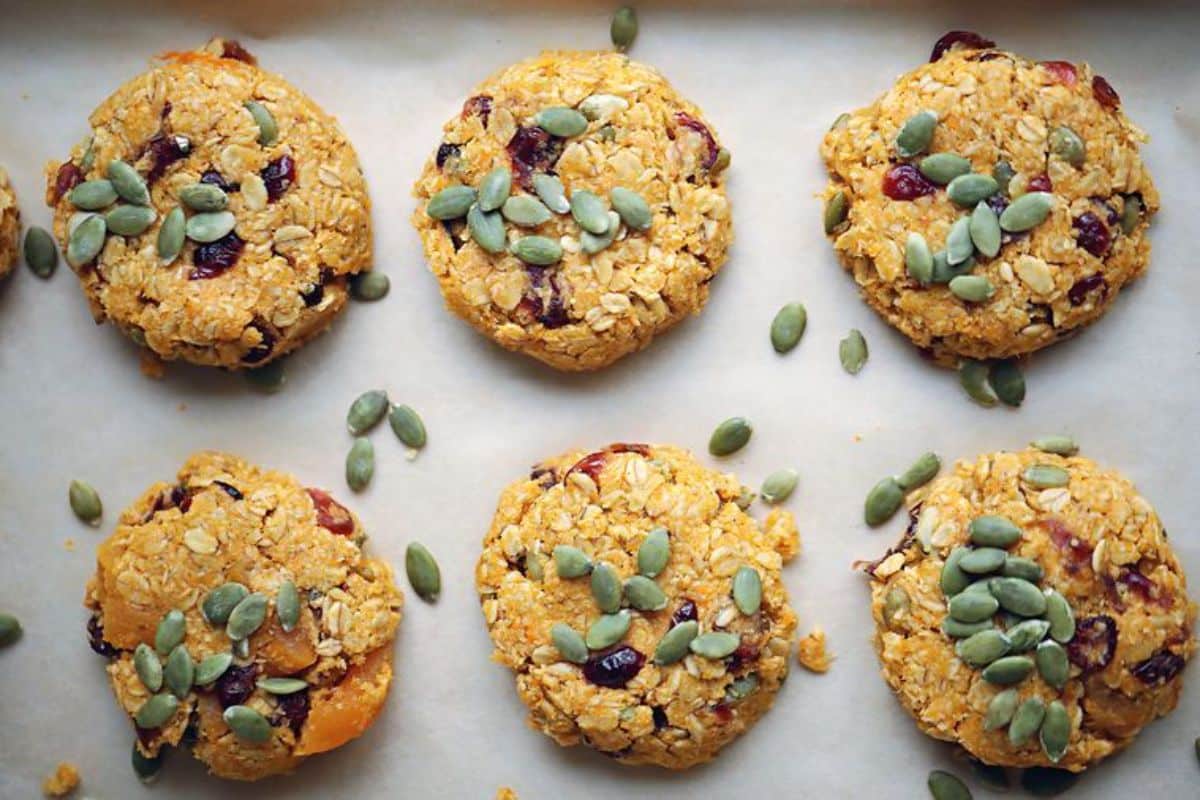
x,y
611,693
596,301
1054,127
293,185
225,523
10,225
1093,542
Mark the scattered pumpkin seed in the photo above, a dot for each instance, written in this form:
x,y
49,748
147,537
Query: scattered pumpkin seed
x,y
85,502
971,188
86,241
407,426
884,500
742,687
360,464
281,685
41,254
730,436
918,259
180,671
1018,596
593,243
959,246
89,154
487,229
982,648
568,642
1058,444
1060,616
920,473
571,562
654,553
494,189
204,197
240,648
269,378
973,607
944,786
1052,664
1026,721
247,616
602,106
147,768
943,272
212,667
1027,211
549,190
941,168
745,498
916,134
1000,710
747,590
895,604
644,594
852,351
171,235
1026,635
972,288
721,163
788,326
1018,567
953,579
128,220
148,668
624,28
93,195
973,375
992,530
561,121
156,711
220,602
128,183
1055,731
606,588
450,203
632,208
1067,145
779,485
537,250
1008,670
957,629
589,211
287,605
607,630
1003,172
170,631
1007,381
715,644
1131,213
675,642
268,130
10,629
423,572
835,211
985,230
1045,476
209,226
370,286
366,411
247,724
840,122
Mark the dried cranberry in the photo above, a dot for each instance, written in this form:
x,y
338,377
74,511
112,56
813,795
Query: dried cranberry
x,y
265,346
1091,234
545,476
278,176
966,39
614,668
164,149
229,490
1110,214
997,203
1078,553
1159,668
1085,286
1094,643
1040,183
217,179
181,497
660,717
532,150
1063,72
723,713
906,539
96,641
235,685
331,515
1131,580
67,178
710,144
745,654
685,613
231,48
445,151
554,315
905,182
214,258
314,295
292,709
481,105
1105,94
590,465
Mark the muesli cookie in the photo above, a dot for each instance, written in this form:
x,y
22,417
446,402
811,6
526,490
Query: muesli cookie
x,y
641,609
240,616
1033,612
215,213
10,225
988,205
575,209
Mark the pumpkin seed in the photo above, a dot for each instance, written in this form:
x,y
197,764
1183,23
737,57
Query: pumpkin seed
x,y
89,153
360,464
643,594
127,220
747,590
212,667
589,211
148,667
146,768
10,629
916,134
1027,211
1026,721
450,203
369,286
1007,382
730,436
423,572
268,131
494,189
944,786
624,28
654,553
487,229
920,473
788,326
602,106
220,602
956,629
1008,670
209,226
281,685
561,121
715,644
972,606
571,562
179,671
593,243
128,183
269,378
835,211
884,500
985,230
745,498
204,197
992,530
1131,213
241,649
953,580
1059,445
895,604
407,426
943,272
918,259
41,254
979,587
1045,476
533,565
742,687
86,241
247,616
1003,172
972,288
537,250
171,235
840,122
1017,567
982,648
1066,144
549,190
941,168
85,502
170,631
606,588
1060,616
156,711
287,606
674,644
973,376
779,485
959,246
634,210
247,724
1000,710
852,352
607,630
1024,636
1047,782
366,411
1056,731
1018,596
568,642
971,188
1052,664
93,195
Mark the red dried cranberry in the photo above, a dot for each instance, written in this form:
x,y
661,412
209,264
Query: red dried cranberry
x,y
1110,214
265,346
217,179
1131,580
67,178
1063,72
480,104
314,295
278,176
1077,552
1085,286
446,150
532,150
1094,643
966,39
555,313
614,668
590,465
660,717
1091,234
723,713
1105,94
214,258
96,641
685,613
1040,183
1159,668
231,48
712,149
905,182
745,654
229,490
331,515
236,685
164,149
292,709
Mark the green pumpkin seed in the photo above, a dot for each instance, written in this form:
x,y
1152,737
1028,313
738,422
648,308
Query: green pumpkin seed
x,y
281,685
1018,596
959,246
918,259
606,588
450,203
1059,445
956,629
602,106
147,768
941,168
1026,721
836,209
179,671
571,562
982,648
593,243
745,498
971,188
1008,670
423,572
788,326
1196,744
88,159
85,502
944,786
1017,567
220,602
1047,782
979,587
747,590
972,288
41,254
561,121
156,711
654,553
1003,172
840,122
742,687
171,235
1024,636
896,603
268,131
1060,616
549,190
953,580
1055,732
1066,144
643,594
973,376
589,211
920,473
943,272
241,649
884,500
537,250
247,724
985,230
128,183
204,197
247,616
992,530
209,226
607,630
852,352
1131,214
170,631
916,134
534,567
568,642
1000,710
127,220
779,485
212,667
86,241
972,606
147,666
634,211
1007,382
624,28
369,286
269,378
1027,211
1052,664
487,229
10,629
93,195
714,645
730,436
287,606
674,644
360,464
366,411
494,189
1046,476
408,427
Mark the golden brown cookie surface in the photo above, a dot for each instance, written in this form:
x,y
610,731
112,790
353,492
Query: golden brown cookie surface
x,y
10,225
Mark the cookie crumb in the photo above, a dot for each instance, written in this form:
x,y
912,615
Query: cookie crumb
x,y
151,365
69,545
812,654
62,782
781,527
505,793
